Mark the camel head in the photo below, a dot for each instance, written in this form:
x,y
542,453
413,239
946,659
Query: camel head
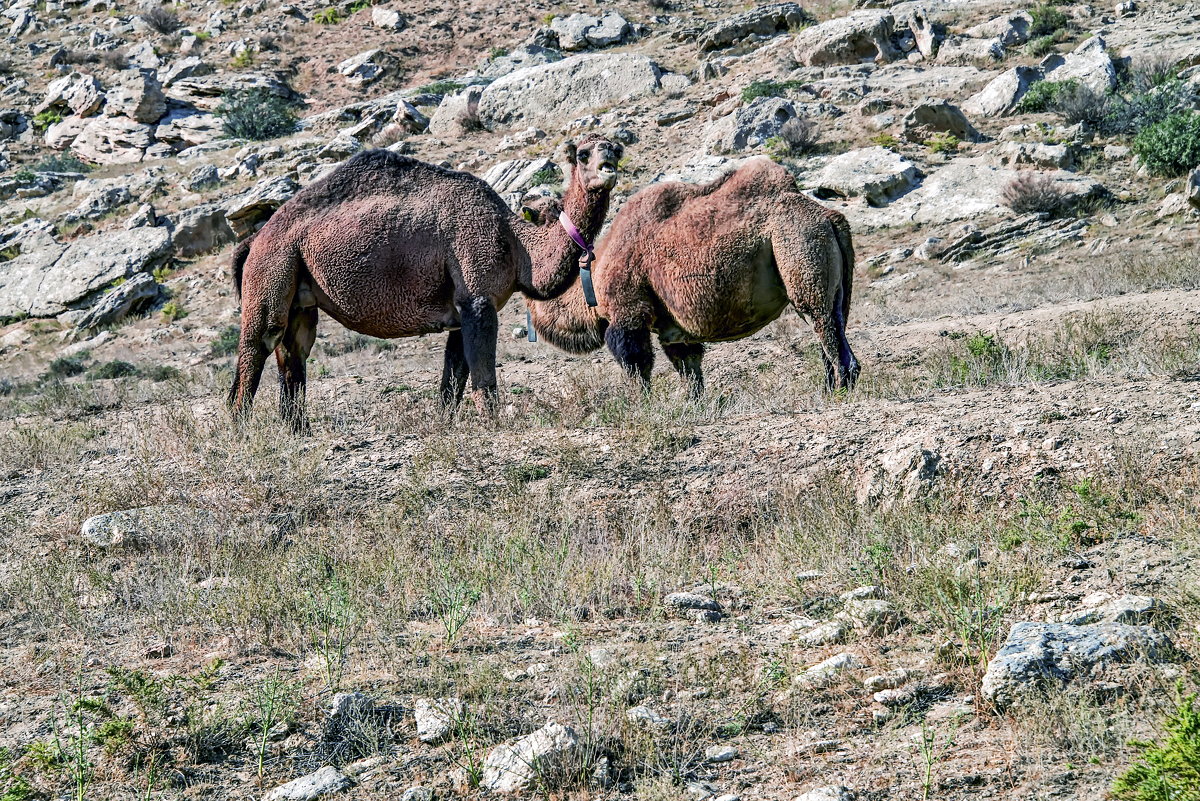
x,y
594,162
567,322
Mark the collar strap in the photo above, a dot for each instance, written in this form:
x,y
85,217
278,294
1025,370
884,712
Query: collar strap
x,y
573,232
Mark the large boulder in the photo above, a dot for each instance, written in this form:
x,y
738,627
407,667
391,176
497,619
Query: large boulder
x,y
457,114
860,36
80,93
583,31
99,202
205,92
933,116
965,50
517,766
1041,655
247,211
114,305
184,127
1011,29
113,140
137,95
526,56
61,135
1089,64
749,126
367,67
515,175
53,278
762,21
554,93
875,173
200,229
1003,93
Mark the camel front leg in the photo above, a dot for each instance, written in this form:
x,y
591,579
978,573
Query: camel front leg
x,y
480,328
632,349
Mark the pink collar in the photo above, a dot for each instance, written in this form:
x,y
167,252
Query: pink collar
x,y
573,232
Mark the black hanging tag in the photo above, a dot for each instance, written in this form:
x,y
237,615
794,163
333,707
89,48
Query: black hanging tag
x,y
585,276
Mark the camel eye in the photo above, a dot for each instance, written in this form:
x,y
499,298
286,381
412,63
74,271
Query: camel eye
x,y
583,156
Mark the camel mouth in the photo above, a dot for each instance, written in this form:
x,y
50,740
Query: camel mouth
x,y
607,173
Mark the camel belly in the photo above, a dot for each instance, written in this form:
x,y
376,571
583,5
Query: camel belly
x,y
727,304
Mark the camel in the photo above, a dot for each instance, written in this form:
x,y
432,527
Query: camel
x,y
393,247
711,263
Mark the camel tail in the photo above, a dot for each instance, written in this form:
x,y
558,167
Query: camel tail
x,y
238,264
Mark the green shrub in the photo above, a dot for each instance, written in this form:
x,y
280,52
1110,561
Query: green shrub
x,y
1047,20
768,88
64,163
114,369
256,114
327,16
886,140
44,119
1045,95
227,341
942,142
1138,110
1041,46
440,88
546,175
1169,771
161,372
1170,147
66,366
173,310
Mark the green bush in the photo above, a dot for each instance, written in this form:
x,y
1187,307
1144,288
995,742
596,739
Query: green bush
x,y
1169,771
66,366
256,114
1041,46
328,16
1047,20
768,88
114,369
44,119
226,342
440,88
64,163
1045,95
1170,147
1129,114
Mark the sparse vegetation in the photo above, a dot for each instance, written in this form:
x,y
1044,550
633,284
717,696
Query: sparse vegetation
x,y
328,16
1048,20
796,137
256,114
161,20
1031,192
943,142
67,162
768,88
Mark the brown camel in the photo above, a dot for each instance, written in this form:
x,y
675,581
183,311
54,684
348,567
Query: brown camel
x,y
393,247
711,263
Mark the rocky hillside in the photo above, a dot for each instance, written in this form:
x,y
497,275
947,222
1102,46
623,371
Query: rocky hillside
x,y
972,576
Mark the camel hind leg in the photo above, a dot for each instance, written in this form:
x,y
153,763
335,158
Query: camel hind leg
x,y
268,288
816,276
291,354
685,358
480,329
454,371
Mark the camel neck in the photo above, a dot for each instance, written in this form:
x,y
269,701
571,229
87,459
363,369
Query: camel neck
x,y
553,255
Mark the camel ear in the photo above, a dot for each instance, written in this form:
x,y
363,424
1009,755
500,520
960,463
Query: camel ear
x,y
571,152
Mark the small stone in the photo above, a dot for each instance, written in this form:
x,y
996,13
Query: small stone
x,y
720,753
387,19
809,575
894,698
690,601
825,671
158,650
875,617
887,681
417,794
830,793
862,593
645,716
833,631
325,781
436,717
347,706
516,766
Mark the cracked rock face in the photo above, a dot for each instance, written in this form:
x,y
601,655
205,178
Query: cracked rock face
x,y
54,277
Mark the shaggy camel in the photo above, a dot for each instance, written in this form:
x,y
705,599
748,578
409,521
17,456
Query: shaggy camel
x,y
393,247
711,263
